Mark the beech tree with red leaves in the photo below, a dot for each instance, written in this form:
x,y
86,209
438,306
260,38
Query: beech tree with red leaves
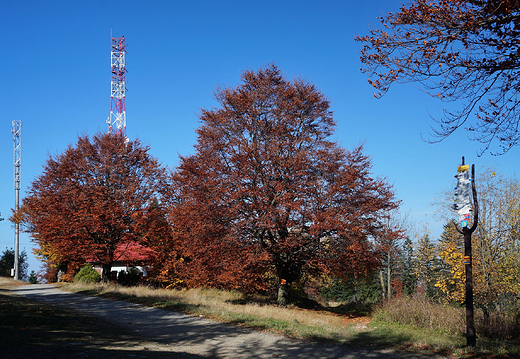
x,y
266,190
92,199
155,233
459,50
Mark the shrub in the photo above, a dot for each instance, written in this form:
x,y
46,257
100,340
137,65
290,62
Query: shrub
x,y
87,274
498,324
129,278
419,312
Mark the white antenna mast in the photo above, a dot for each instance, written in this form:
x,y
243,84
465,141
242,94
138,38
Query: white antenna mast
x,y
17,131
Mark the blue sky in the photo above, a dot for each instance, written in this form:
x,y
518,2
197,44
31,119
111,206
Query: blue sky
x,y
55,78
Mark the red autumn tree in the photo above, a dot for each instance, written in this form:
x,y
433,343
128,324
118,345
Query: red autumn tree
x,y
459,50
155,233
91,199
266,189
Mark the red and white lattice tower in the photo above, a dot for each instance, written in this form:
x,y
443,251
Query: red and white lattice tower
x,y
117,119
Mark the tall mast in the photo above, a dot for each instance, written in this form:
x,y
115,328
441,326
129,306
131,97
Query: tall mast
x,y
17,132
117,119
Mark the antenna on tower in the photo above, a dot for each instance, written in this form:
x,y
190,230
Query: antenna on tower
x,y
17,132
117,119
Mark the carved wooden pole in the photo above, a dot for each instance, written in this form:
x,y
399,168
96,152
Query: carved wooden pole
x,y
471,336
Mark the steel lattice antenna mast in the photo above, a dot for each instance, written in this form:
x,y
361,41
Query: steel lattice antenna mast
x,y
17,131
117,119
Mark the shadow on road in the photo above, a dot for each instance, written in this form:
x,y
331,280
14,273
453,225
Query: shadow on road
x,y
111,328
30,329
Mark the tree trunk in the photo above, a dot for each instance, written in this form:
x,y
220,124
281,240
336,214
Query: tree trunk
x,y
105,274
382,280
487,320
288,272
389,278
284,294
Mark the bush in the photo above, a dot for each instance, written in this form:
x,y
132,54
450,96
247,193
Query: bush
x,y
129,278
498,324
87,274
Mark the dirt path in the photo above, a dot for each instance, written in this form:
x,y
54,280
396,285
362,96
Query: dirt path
x,y
187,336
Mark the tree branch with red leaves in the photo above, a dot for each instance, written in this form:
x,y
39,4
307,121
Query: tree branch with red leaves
x,y
458,50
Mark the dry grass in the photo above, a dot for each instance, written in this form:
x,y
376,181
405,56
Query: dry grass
x,y
421,313
500,325
10,281
329,324
219,300
417,311
239,309
4,281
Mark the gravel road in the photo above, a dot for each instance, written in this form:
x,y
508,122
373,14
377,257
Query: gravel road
x,y
192,337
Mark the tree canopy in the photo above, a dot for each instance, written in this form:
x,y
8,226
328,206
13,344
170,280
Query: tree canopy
x,y
90,199
464,50
268,195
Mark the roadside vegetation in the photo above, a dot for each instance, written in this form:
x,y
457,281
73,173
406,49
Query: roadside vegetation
x,y
405,323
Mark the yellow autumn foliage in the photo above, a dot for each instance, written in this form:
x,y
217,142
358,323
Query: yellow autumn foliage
x,y
495,245
452,285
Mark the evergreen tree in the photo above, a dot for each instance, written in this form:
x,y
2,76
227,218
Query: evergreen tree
x,y
7,263
33,279
426,266
408,276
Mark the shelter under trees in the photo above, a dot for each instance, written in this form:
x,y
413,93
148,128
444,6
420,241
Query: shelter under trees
x,y
267,198
91,199
458,50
